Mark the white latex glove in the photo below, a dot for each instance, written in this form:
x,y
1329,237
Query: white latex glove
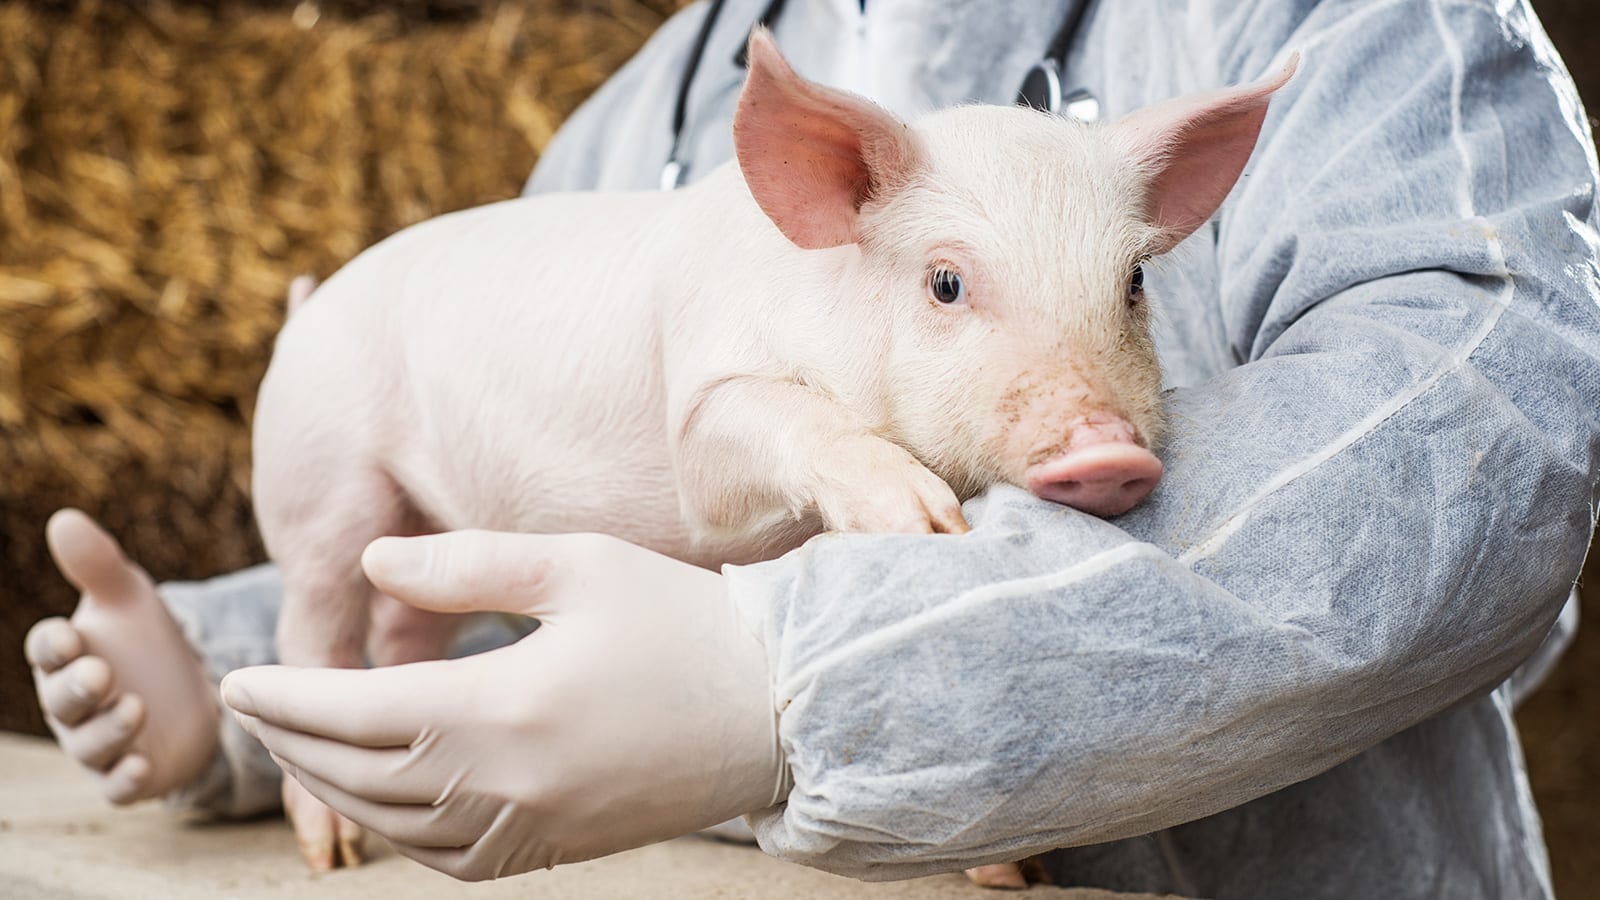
x,y
119,685
640,709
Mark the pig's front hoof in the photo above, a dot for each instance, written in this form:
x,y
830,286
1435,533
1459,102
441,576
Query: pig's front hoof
x,y
326,839
1000,876
880,488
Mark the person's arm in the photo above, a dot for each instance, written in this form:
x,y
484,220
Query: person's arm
x,y
1377,515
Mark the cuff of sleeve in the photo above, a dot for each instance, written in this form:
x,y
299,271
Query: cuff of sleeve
x,y
240,780
750,593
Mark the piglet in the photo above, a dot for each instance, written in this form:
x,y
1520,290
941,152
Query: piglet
x,y
856,326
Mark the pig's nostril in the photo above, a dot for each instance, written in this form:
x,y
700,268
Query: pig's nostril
x,y
1140,487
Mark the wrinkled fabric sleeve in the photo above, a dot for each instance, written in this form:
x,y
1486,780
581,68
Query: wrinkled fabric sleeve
x,y
1377,514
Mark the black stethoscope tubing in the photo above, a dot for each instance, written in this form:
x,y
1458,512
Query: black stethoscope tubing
x,y
1040,89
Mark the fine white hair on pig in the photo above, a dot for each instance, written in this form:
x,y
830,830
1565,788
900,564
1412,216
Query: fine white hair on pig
x,y
854,326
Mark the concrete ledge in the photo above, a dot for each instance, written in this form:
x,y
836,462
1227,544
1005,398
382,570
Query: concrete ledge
x,y
60,841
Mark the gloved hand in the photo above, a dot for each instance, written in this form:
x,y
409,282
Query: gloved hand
x,y
641,709
119,685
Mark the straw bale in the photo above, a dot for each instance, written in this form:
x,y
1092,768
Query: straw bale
x,y
164,171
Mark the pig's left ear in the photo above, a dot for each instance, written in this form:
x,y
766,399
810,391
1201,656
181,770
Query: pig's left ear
x,y
1194,149
813,155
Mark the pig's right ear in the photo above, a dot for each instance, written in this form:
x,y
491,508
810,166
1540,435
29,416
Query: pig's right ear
x,y
813,155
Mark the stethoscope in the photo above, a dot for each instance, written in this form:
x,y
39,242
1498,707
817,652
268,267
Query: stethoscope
x,y
1041,87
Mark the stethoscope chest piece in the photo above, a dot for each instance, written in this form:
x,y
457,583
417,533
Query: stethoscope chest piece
x,y
1041,89
672,173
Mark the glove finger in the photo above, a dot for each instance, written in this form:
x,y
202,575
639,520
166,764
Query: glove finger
x,y
91,559
75,690
466,571
381,775
102,739
461,863
416,824
125,781
387,707
52,643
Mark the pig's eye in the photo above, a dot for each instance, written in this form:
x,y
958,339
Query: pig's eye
x,y
1136,285
946,286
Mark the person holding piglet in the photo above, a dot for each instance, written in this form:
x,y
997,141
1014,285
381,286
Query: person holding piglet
x,y
1248,678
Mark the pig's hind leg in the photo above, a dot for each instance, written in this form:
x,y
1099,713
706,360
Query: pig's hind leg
x,y
1005,876
319,505
404,634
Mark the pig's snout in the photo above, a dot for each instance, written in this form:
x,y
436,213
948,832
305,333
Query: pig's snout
x,y
1102,470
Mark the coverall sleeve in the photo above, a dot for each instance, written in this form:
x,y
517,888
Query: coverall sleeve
x,y
1377,514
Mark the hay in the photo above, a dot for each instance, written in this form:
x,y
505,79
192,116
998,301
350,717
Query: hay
x,y
164,172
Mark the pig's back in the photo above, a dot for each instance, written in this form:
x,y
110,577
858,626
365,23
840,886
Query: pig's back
x,y
517,359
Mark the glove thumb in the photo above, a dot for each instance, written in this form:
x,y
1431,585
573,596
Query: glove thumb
x,y
91,559
467,571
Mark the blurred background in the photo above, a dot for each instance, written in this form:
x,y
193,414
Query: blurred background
x,y
165,168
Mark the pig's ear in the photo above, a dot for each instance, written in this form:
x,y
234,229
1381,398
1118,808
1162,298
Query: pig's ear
x,y
1194,148
813,155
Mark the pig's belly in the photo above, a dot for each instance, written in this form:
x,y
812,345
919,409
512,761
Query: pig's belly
x,y
581,476
511,445
562,462
552,492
